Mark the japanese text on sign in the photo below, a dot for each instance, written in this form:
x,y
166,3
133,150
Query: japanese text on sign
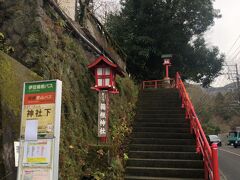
x,y
37,152
103,114
44,113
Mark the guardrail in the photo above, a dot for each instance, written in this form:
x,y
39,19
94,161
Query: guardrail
x,y
170,83
95,44
210,154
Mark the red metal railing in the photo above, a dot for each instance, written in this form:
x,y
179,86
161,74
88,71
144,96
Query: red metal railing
x,y
210,154
157,83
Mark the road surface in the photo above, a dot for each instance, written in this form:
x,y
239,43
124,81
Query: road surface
x,y
229,162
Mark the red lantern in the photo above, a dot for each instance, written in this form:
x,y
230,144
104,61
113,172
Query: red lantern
x,y
105,73
167,63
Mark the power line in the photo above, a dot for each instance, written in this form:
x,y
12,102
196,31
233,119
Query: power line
x,y
226,71
233,44
236,53
232,75
233,55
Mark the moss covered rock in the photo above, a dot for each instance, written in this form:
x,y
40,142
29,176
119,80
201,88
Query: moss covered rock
x,y
12,76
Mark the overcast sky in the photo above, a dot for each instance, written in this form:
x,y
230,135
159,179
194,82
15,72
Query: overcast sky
x,y
225,32
226,29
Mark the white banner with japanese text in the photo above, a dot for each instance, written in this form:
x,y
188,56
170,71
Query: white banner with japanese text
x,y
103,109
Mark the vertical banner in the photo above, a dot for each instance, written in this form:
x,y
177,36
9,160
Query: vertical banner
x,y
40,130
103,109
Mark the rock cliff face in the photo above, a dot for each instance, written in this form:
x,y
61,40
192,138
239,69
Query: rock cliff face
x,y
12,76
46,47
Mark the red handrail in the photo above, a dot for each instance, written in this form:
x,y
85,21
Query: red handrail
x,y
210,155
156,83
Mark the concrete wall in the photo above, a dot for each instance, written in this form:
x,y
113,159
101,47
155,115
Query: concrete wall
x,y
98,32
69,7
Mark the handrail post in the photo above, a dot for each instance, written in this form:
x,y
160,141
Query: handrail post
x,y
215,161
198,150
206,173
176,81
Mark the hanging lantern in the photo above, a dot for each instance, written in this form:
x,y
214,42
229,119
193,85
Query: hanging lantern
x,y
105,72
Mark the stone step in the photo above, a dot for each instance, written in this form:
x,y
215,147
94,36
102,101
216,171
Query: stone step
x,y
162,135
159,93
160,115
165,163
158,129
171,148
160,90
161,120
150,107
158,111
162,146
159,108
159,98
164,155
157,178
166,106
152,95
158,141
159,124
160,104
165,172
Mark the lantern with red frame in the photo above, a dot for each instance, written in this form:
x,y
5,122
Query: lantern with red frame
x,y
105,73
167,63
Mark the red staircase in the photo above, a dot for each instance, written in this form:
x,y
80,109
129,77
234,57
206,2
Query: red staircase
x,y
168,141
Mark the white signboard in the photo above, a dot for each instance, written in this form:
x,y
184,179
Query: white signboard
x,y
36,174
103,107
31,130
37,152
40,130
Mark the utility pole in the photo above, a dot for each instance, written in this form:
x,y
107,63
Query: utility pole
x,y
238,84
233,74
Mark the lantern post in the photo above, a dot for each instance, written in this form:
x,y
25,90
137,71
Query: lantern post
x,y
105,72
167,62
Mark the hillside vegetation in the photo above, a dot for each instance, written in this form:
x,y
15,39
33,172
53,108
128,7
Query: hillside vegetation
x,y
217,112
